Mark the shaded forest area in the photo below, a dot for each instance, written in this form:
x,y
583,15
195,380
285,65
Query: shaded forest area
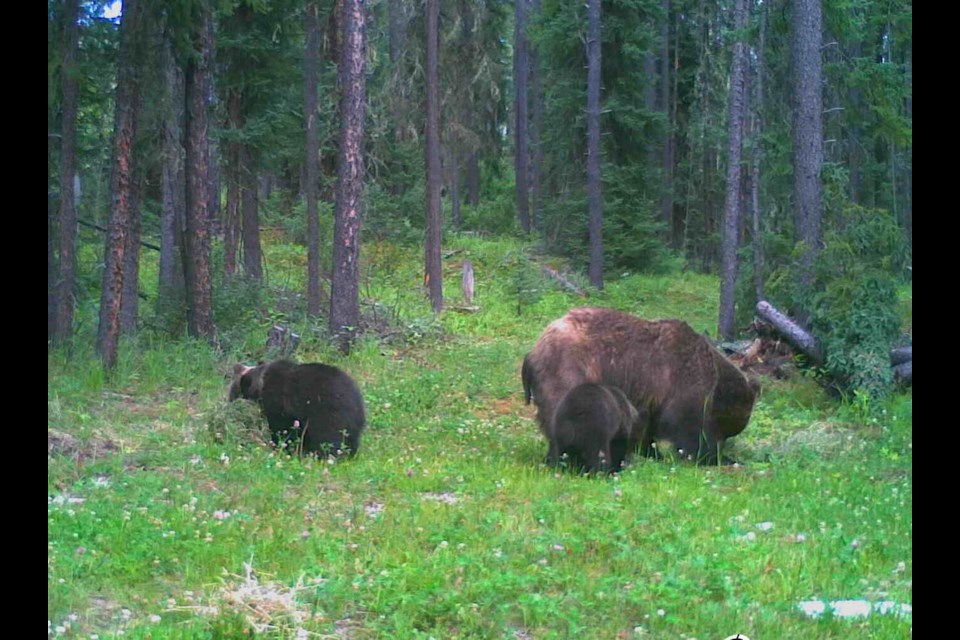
x,y
767,142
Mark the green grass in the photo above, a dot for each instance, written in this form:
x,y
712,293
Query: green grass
x,y
447,525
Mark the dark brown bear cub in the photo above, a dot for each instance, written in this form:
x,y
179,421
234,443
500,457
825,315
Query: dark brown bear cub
x,y
696,399
312,408
595,426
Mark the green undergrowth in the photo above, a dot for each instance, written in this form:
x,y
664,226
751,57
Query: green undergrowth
x,y
447,524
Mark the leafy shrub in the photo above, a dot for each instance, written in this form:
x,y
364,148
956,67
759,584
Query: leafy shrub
x,y
853,304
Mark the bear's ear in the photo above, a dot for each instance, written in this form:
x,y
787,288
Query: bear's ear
x,y
240,369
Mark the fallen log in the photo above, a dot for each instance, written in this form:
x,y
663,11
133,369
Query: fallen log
x,y
557,277
903,373
901,355
794,334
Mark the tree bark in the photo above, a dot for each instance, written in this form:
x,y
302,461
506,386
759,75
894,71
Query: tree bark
x,y
473,179
594,187
344,290
455,188
794,334
312,161
536,128
232,215
755,172
901,355
666,201
433,272
249,204
124,131
129,298
197,242
521,70
731,209
807,129
173,186
903,373
63,323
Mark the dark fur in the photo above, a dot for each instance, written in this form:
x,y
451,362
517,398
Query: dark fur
x,y
318,404
595,427
695,398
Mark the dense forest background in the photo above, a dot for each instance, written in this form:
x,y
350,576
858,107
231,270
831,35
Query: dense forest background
x,y
767,142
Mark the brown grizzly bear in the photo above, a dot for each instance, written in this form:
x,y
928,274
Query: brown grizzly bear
x,y
317,404
695,398
595,427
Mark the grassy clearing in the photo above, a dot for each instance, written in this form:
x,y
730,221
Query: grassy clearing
x,y
447,525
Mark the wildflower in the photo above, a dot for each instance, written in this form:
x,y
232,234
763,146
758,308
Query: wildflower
x,y
154,618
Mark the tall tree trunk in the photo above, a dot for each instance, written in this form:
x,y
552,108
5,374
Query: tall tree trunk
x,y
129,297
249,204
345,286
121,183
731,214
536,128
650,104
172,188
232,215
197,241
433,274
757,149
807,129
68,142
908,153
455,188
521,70
666,201
473,178
312,161
594,187
213,142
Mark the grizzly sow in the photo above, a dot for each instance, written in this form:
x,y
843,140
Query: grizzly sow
x,y
694,397
594,428
315,405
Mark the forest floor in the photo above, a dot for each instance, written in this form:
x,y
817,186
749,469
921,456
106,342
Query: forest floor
x,y
448,524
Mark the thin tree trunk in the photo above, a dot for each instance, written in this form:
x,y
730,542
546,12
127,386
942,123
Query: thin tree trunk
x,y
908,153
473,179
650,103
536,128
51,272
731,214
197,242
345,287
594,187
666,201
521,70
455,188
173,187
213,153
68,142
129,298
433,272
757,149
249,205
807,129
121,184
232,215
312,162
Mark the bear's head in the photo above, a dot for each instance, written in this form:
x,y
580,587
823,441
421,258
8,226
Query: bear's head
x,y
247,382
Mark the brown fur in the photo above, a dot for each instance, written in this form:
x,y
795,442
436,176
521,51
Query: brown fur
x,y
316,404
595,427
696,399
